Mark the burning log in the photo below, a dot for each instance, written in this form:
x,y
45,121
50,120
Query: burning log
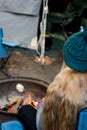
x,y
14,103
14,106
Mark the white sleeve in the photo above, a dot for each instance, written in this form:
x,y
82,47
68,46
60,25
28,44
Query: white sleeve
x,y
39,118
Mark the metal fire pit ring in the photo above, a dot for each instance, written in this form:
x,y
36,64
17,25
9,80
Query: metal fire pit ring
x,y
30,84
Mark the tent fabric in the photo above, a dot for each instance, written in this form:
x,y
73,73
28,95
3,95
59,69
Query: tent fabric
x,y
19,20
28,7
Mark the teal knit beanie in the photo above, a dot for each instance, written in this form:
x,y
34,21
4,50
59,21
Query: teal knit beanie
x,y
75,51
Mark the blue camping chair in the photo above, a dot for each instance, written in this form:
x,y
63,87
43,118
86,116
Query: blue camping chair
x,y
82,119
4,54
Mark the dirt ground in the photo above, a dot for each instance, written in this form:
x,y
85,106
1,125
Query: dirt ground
x,y
22,64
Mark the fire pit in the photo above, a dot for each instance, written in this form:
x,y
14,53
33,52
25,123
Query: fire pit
x,y
8,91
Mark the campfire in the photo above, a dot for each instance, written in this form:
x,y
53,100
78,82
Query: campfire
x,y
16,92
14,103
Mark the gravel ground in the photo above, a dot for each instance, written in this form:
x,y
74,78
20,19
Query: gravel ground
x,y
25,63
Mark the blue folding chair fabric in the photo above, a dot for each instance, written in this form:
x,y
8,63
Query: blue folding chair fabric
x,y
10,44
3,52
82,119
1,34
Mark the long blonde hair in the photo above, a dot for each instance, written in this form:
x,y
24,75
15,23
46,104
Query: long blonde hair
x,y
64,98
